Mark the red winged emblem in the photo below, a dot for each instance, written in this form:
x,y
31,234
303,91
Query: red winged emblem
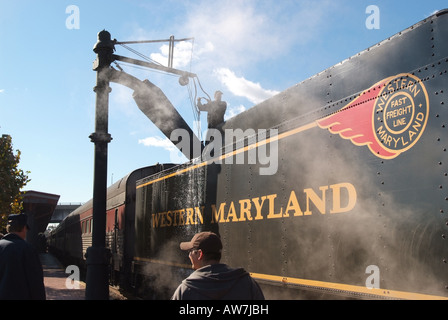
x,y
355,121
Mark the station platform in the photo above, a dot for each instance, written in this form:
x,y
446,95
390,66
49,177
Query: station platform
x,y
55,281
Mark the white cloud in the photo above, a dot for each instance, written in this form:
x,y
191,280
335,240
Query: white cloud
x,y
233,29
157,142
2,90
239,34
246,32
242,87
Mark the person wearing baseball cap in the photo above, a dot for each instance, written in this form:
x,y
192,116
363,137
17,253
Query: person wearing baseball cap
x,y
215,110
21,274
213,280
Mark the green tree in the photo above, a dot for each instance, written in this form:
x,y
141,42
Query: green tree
x,y
12,180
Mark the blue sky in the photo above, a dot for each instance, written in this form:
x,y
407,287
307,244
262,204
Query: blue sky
x,y
249,50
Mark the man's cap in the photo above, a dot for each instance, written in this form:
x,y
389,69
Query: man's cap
x,y
18,220
206,241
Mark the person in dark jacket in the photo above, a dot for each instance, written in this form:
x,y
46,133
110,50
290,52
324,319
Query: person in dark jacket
x,y
215,110
21,274
211,279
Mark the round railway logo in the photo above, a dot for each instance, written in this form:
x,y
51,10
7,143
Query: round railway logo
x,y
400,114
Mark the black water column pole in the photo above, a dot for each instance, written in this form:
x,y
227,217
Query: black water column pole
x,y
97,256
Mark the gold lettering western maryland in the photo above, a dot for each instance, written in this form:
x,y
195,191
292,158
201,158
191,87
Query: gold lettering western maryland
x,y
178,217
343,196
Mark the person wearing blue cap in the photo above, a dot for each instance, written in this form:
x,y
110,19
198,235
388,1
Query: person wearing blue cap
x,y
21,274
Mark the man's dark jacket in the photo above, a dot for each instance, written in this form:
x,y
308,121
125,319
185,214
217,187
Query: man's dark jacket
x,y
21,275
218,282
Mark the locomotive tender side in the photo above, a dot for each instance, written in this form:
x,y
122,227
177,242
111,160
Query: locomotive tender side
x,y
358,204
